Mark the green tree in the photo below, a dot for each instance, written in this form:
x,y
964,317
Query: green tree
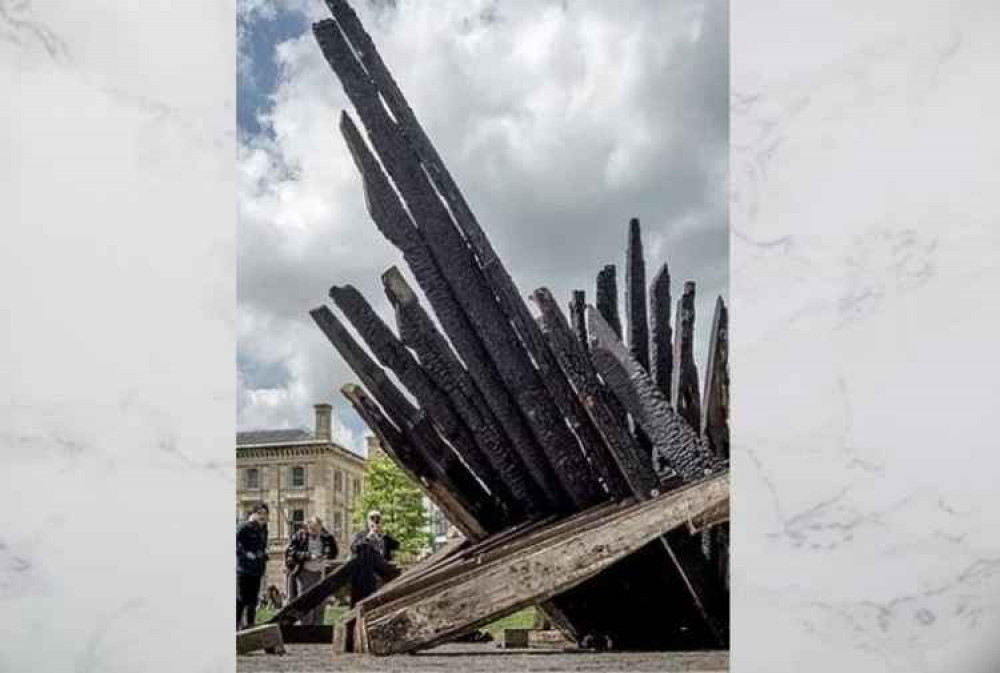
x,y
389,490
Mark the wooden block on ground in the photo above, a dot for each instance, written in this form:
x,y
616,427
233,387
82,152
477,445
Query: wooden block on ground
x,y
549,639
266,637
515,639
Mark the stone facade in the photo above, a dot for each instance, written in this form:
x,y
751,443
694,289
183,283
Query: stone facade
x,y
298,474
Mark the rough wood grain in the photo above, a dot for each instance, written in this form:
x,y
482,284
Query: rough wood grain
x,y
507,584
635,296
314,596
607,298
678,451
578,317
418,332
394,355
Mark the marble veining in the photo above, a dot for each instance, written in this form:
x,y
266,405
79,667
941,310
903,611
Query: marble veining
x,y
864,255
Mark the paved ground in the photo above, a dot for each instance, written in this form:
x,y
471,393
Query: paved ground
x,y
483,658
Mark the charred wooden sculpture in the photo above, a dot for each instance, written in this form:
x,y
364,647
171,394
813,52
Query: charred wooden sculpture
x,y
519,427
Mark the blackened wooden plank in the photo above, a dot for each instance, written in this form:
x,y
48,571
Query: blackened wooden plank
x,y
661,306
460,270
685,390
314,596
578,317
635,296
394,355
607,298
715,421
391,218
678,450
628,461
418,332
408,459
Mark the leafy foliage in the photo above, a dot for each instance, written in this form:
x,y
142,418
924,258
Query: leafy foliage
x,y
391,492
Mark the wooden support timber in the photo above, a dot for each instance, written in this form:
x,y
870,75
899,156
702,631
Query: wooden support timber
x,y
685,390
540,568
266,637
662,356
607,298
635,296
314,596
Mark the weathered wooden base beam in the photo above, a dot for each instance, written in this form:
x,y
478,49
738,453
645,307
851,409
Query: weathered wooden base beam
x,y
314,596
534,573
266,637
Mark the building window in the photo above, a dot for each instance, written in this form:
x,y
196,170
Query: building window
x,y
298,519
338,525
357,488
252,478
338,481
298,476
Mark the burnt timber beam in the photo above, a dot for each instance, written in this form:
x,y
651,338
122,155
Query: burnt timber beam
x,y
435,456
685,390
607,298
393,221
418,332
460,271
635,296
662,357
394,355
546,570
265,637
631,472
715,418
578,317
400,452
678,450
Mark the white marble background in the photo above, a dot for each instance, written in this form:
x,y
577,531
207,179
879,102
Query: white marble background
x,y
117,274
865,269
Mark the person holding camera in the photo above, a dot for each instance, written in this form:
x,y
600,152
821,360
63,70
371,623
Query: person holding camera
x,y
373,549
251,563
305,559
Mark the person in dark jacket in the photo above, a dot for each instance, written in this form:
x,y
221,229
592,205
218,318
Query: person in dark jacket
x,y
251,562
373,549
306,558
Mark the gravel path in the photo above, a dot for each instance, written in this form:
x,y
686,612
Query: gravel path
x,y
483,658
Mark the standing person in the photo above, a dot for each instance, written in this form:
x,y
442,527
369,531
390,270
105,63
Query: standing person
x,y
251,562
305,558
373,548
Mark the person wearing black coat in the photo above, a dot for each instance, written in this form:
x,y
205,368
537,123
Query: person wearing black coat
x,y
372,550
306,558
251,563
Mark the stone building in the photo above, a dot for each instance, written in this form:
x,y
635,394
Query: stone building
x,y
298,474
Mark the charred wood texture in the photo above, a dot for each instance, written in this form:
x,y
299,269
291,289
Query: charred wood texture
x,y
607,298
678,451
418,332
685,393
578,317
715,423
661,306
630,471
635,296
458,267
394,355
391,218
409,460
432,454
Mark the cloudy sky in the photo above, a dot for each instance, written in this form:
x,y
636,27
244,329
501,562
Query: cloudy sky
x,y
560,120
